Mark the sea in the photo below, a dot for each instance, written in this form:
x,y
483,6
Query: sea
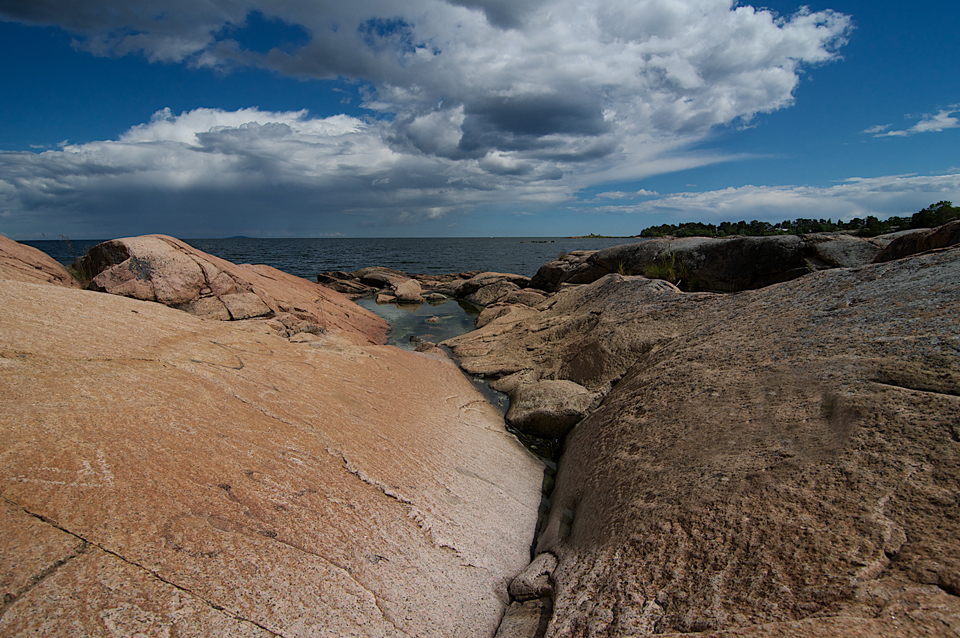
x,y
415,256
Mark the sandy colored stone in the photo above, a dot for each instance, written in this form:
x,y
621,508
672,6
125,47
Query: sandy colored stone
x,y
408,292
167,270
548,409
245,305
779,462
535,580
25,263
171,475
527,619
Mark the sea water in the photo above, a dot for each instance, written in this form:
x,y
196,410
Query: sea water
x,y
432,256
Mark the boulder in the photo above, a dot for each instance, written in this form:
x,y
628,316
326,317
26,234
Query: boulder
x,y
167,475
777,462
465,288
921,241
548,409
25,263
573,268
379,277
166,270
408,292
535,581
492,293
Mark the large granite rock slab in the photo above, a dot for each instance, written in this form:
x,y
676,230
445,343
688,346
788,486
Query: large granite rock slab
x,y
776,462
725,264
166,270
162,474
25,263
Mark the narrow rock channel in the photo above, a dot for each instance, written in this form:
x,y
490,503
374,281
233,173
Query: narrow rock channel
x,y
412,326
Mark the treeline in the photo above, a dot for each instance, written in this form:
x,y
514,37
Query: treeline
x,y
933,215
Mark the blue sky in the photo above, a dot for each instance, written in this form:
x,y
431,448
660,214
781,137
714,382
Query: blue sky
x,y
315,118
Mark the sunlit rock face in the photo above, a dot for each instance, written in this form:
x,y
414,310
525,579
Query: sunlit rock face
x,y
783,462
25,263
774,462
166,270
164,474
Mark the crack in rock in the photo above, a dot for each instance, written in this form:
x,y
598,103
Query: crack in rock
x,y
85,544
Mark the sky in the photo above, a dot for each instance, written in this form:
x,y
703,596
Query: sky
x,y
431,118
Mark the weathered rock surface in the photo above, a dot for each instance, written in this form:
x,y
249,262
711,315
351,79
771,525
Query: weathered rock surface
x,y
709,263
25,263
166,270
921,241
548,409
777,462
408,292
163,474
478,288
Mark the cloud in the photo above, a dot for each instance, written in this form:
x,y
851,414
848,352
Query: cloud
x,y
251,168
855,197
625,195
544,79
942,121
476,103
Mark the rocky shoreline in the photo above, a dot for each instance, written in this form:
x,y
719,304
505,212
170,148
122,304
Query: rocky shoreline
x,y
778,459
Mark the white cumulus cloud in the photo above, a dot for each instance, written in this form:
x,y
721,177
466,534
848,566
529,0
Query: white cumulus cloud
x,y
483,100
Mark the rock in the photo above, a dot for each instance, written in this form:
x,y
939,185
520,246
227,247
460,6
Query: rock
x,y
778,462
25,263
167,475
573,268
382,299
408,292
468,287
709,263
435,298
507,312
534,581
164,269
528,619
548,409
380,277
492,293
921,241
530,298
589,334
244,305
343,283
